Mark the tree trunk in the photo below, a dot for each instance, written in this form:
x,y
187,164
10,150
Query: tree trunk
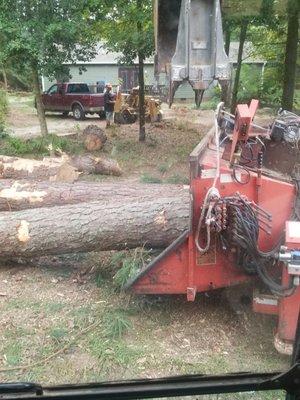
x,y
141,57
226,85
227,36
94,226
57,168
4,78
39,104
142,131
290,64
243,33
22,195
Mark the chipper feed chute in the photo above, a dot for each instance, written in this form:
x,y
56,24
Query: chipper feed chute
x,y
244,225
189,44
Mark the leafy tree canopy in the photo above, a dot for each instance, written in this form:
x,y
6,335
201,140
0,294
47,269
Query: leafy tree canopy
x,y
45,34
126,27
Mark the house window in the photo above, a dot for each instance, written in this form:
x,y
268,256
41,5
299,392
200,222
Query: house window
x,y
129,78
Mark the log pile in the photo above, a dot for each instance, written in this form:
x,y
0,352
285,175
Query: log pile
x,y
41,215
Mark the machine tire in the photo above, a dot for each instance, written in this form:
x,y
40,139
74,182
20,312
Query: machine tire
x,y
102,114
129,117
78,112
125,117
118,119
159,117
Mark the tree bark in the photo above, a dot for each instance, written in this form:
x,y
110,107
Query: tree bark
x,y
22,195
226,86
243,33
4,78
227,36
93,226
39,103
142,130
57,168
290,64
96,165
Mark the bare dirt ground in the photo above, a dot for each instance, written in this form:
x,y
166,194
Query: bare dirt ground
x,y
64,320
23,121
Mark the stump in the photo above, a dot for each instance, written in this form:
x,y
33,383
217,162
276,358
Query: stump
x,y
94,137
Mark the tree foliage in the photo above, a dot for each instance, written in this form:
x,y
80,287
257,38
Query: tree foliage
x,y
116,24
46,34
42,36
126,28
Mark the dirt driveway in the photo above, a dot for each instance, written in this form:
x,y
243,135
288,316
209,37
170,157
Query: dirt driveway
x,y
23,121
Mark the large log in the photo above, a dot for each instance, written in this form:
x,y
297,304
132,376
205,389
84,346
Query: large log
x,y
21,195
96,165
92,226
63,168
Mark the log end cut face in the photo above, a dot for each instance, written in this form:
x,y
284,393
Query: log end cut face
x,y
23,231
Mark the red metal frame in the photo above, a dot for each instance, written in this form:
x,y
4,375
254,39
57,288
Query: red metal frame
x,y
182,269
243,117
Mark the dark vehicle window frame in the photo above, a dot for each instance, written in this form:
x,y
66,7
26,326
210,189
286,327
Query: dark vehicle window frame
x,y
82,86
50,91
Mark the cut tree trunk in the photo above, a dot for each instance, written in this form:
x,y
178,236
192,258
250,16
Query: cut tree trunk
x,y
22,195
96,165
93,226
56,168
94,137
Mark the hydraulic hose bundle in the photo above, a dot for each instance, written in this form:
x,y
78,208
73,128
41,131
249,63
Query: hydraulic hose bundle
x,y
238,222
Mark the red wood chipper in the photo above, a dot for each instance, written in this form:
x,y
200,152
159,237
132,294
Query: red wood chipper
x,y
244,224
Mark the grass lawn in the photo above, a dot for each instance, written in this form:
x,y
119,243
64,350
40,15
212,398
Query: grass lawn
x,y
66,319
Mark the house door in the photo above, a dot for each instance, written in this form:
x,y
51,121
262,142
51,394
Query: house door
x,y
129,78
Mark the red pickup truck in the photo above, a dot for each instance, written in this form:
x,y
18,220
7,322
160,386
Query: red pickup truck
x,y
75,98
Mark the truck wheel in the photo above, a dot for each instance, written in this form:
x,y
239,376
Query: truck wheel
x,y
78,112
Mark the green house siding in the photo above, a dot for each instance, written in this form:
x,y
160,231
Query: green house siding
x,y
110,72
100,72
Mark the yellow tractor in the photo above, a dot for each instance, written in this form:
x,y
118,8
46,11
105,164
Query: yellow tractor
x,y
127,108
